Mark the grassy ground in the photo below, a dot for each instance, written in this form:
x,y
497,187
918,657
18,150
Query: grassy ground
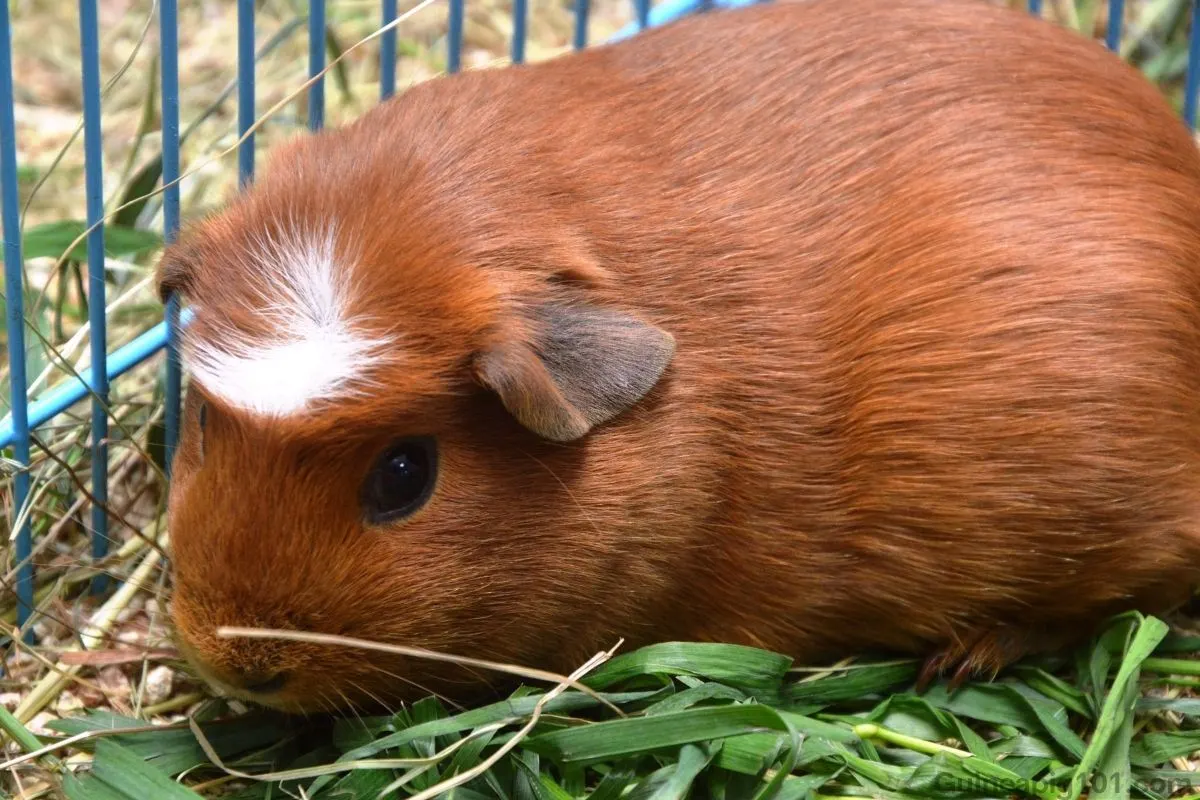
x,y
723,722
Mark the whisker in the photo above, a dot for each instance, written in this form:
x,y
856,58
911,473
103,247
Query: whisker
x,y
416,685
386,706
348,705
571,495
231,631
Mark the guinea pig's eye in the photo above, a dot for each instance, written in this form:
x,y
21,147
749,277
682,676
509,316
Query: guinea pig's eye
x,y
401,480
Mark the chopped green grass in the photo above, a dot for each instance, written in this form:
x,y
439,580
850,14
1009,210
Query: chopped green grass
x,y
703,720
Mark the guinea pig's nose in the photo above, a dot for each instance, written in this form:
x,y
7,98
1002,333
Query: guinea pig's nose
x,y
262,682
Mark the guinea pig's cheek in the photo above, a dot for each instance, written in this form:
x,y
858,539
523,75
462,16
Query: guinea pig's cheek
x,y
188,631
200,667
194,632
195,658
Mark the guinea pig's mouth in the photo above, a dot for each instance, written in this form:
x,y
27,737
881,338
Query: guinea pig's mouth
x,y
253,688
269,691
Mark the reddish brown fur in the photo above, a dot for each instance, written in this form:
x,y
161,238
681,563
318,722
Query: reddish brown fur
x,y
932,272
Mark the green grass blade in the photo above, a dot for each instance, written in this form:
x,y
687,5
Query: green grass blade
x,y
89,787
18,732
51,240
1004,704
612,786
915,716
176,750
742,667
751,753
1111,780
1056,689
1120,701
856,684
1021,746
128,774
1176,643
650,784
796,787
692,760
1159,747
693,696
519,708
620,738
515,709
143,183
946,773
1187,706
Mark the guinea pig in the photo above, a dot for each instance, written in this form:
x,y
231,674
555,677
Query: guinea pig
x,y
822,327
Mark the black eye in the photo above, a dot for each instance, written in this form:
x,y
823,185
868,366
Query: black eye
x,y
203,415
401,480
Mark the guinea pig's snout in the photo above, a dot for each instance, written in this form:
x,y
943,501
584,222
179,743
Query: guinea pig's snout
x,y
253,670
250,681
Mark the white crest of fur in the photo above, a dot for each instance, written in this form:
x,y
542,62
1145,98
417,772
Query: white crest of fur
x,y
314,352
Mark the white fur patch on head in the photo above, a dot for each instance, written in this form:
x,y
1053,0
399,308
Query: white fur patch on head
x,y
313,352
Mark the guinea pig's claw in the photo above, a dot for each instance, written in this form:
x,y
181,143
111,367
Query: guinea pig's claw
x,y
980,655
940,664
932,668
960,656
965,671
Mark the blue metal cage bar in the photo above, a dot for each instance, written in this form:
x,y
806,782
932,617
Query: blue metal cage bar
x,y
642,9
70,392
454,36
15,318
1192,87
169,76
245,81
520,20
581,24
89,39
15,429
387,53
316,63
1116,22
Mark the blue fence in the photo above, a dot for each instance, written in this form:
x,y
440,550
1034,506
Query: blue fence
x,y
25,416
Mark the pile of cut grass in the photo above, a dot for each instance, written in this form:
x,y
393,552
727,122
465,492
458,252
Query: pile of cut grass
x,y
1111,720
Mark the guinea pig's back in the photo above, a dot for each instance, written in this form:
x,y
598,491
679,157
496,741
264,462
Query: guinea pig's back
x,y
951,257
932,271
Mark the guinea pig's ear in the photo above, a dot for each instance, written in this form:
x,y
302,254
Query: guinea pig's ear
x,y
176,269
583,366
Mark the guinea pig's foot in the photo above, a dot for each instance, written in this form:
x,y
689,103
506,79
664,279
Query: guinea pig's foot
x,y
960,669
970,670
981,653
977,655
934,667
958,666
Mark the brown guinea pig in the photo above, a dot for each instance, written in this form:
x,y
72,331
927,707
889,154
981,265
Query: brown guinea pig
x,y
821,327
